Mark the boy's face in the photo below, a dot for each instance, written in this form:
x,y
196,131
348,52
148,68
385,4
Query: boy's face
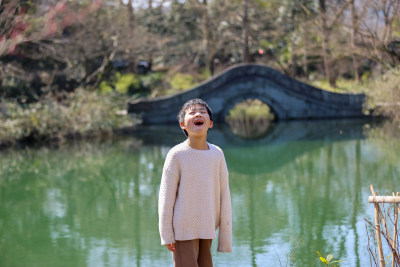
x,y
196,121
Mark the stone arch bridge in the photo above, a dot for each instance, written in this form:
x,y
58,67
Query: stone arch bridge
x,y
288,98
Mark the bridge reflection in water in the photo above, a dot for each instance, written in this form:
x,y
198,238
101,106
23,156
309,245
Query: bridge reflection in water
x,y
281,143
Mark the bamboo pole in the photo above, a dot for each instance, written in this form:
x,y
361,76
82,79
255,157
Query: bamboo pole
x,y
378,230
384,199
394,230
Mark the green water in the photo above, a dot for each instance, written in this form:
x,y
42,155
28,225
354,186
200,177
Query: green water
x,y
299,188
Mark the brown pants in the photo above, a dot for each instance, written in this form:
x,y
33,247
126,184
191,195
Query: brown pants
x,y
193,253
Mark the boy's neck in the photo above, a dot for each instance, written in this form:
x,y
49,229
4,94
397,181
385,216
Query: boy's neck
x,y
198,143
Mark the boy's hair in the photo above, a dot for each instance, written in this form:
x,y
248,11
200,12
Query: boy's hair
x,y
188,104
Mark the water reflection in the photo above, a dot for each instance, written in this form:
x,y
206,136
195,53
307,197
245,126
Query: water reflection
x,y
285,141
301,188
329,130
250,129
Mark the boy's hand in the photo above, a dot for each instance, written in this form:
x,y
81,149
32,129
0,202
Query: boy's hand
x,y
171,247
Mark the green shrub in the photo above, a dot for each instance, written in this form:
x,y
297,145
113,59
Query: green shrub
x,y
130,83
384,95
181,82
84,113
105,88
127,83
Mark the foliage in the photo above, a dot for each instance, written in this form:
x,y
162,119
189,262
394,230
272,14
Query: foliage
x,y
181,81
49,48
133,84
24,21
384,95
328,260
83,113
127,81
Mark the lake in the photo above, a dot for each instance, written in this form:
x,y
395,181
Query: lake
x,y
299,188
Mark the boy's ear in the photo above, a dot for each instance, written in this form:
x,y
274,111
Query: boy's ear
x,y
211,124
182,124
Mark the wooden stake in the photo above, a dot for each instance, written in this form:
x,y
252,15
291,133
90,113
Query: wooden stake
x,y
395,230
378,230
383,222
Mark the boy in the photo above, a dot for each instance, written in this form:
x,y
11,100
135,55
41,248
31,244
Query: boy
x,y
194,197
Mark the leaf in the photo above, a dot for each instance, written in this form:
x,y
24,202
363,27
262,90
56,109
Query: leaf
x,y
329,257
323,260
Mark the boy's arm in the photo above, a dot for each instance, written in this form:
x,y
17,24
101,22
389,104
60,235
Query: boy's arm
x,y
225,225
167,197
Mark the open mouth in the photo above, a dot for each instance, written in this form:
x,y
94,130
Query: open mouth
x,y
198,123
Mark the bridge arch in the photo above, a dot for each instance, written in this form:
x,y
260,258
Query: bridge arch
x,y
288,99
230,103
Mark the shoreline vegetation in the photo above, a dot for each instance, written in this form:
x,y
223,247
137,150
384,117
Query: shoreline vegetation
x,y
87,114
81,115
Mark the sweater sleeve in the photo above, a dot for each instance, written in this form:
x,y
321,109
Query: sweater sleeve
x,y
225,226
167,196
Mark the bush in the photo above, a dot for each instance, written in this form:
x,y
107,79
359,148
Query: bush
x,y
181,81
83,113
134,85
384,95
128,83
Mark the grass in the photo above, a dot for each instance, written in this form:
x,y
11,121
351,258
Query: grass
x,y
343,86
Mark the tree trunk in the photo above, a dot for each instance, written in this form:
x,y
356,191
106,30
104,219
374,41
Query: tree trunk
x,y
292,61
352,40
131,25
325,44
3,101
131,16
305,53
306,43
246,54
150,53
208,38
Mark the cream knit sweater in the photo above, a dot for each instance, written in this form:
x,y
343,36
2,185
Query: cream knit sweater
x,y
194,197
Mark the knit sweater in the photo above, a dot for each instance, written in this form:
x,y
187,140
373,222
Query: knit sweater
x,y
194,198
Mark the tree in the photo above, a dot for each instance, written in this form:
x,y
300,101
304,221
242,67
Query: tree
x,y
326,27
245,30
376,32
24,25
22,22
